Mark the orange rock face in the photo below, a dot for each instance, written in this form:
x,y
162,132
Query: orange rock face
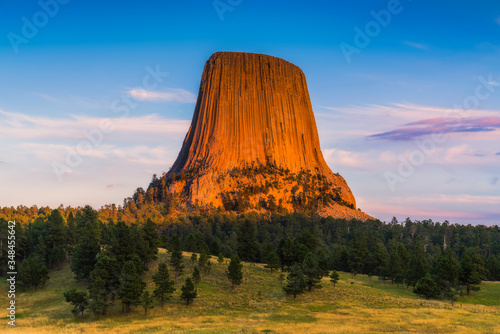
x,y
253,134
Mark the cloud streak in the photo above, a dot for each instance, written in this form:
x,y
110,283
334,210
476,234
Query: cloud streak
x,y
417,45
426,127
167,95
18,126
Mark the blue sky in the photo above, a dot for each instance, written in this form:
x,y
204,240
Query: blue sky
x,y
423,69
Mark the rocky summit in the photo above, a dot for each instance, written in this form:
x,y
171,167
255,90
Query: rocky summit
x,y
253,145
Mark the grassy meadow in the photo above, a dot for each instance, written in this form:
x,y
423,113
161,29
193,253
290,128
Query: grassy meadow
x,y
356,304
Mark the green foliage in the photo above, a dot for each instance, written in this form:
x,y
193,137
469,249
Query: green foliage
x,y
189,293
311,272
234,271
220,259
85,253
493,267
194,257
273,261
417,267
131,286
472,271
191,243
296,282
79,299
427,287
32,273
204,259
56,239
108,270
151,241
122,245
446,270
147,302
248,245
99,299
196,275
334,277
176,259
164,287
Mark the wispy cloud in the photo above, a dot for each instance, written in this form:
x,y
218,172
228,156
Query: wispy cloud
x,y
18,126
167,95
441,125
417,45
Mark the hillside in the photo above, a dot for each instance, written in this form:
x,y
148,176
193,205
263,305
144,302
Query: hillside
x,y
356,304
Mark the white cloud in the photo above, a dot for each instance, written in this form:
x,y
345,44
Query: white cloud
x,y
336,157
18,126
417,45
167,95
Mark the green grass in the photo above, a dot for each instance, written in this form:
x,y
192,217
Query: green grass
x,y
357,304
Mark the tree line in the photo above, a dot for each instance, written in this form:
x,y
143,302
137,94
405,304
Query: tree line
x,y
438,260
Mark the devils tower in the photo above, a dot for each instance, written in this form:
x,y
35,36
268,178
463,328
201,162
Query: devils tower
x,y
253,144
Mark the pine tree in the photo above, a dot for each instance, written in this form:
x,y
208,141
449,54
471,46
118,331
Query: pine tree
x,y
472,271
44,274
358,256
147,302
164,286
194,258
311,272
493,266
234,271
84,257
248,245
427,287
204,259
56,239
71,234
191,243
394,265
79,299
334,277
281,278
98,297
84,216
122,244
108,270
220,259
296,282
323,264
189,293
452,294
196,275
378,259
151,240
32,273
417,267
176,259
273,262
446,271
131,286
286,253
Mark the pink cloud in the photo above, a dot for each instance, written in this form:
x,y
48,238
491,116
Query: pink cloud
x,y
440,125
